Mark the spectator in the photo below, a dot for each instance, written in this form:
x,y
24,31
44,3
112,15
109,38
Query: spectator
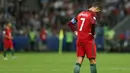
x,y
32,39
69,40
43,37
121,41
109,36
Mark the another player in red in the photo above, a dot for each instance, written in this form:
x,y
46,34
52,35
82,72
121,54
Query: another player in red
x,y
7,40
85,21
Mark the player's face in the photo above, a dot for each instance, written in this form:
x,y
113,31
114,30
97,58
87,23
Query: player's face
x,y
9,25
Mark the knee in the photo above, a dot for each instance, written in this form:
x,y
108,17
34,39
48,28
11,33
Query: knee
x,y
92,61
80,60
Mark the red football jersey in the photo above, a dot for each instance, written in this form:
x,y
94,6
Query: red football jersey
x,y
7,32
84,21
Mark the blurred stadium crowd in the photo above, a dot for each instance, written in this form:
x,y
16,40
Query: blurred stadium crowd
x,y
48,17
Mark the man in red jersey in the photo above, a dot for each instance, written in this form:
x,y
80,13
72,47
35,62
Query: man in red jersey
x,y
85,21
7,40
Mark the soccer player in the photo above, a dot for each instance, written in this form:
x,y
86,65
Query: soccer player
x,y
84,30
7,40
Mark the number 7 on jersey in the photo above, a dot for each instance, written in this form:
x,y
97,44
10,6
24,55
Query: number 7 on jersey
x,y
82,24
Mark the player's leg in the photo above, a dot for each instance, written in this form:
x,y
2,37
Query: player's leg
x,y
80,58
5,50
5,54
93,65
91,55
13,53
11,49
78,64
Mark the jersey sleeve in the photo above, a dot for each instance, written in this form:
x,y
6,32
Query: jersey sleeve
x,y
72,24
93,20
74,20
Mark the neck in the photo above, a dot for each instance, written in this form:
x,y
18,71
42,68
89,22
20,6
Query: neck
x,y
8,27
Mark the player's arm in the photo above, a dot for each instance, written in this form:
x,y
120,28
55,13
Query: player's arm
x,y
72,25
93,29
93,19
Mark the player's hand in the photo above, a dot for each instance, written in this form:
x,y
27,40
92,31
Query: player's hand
x,y
76,33
92,35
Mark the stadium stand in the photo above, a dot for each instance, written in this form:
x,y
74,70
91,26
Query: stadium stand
x,y
54,14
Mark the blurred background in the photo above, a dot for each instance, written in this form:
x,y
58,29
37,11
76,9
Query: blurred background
x,y
41,34
41,25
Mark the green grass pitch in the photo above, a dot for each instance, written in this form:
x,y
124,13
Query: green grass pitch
x,y
55,63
